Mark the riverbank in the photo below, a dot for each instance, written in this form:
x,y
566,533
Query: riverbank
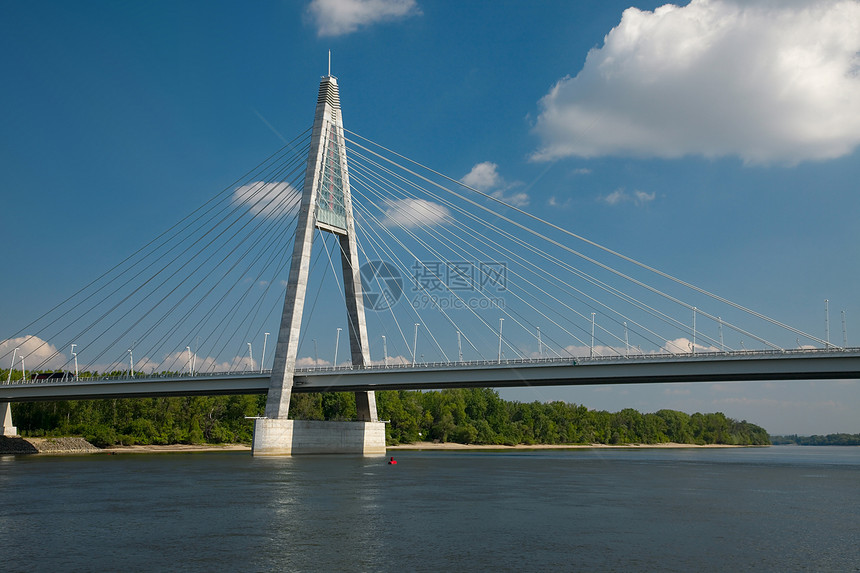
x,y
67,446
414,446
80,446
453,446
186,448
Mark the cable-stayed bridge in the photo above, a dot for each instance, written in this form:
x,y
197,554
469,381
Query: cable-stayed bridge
x,y
668,368
440,284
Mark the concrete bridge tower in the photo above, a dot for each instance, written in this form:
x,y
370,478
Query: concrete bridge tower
x,y
326,205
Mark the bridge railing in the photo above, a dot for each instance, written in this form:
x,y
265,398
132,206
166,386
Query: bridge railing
x,y
578,360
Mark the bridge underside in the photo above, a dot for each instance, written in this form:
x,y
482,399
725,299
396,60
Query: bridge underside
x,y
837,365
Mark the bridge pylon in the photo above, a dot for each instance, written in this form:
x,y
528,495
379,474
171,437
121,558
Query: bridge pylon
x,y
326,204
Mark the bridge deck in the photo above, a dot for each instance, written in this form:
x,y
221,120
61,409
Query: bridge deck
x,y
830,364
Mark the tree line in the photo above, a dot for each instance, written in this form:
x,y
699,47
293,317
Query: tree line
x,y
828,440
468,416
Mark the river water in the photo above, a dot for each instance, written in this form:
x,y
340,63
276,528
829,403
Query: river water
x,y
765,509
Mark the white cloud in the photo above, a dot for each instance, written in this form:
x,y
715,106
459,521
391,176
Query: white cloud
x,y
178,362
485,177
768,81
620,196
392,360
36,352
414,213
267,199
685,346
308,362
339,17
599,350
515,198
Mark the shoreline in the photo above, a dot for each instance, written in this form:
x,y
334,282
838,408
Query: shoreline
x,y
175,448
455,446
416,446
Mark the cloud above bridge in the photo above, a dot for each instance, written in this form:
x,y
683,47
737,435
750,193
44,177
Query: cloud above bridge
x,y
621,196
270,200
485,177
414,213
339,17
36,352
768,81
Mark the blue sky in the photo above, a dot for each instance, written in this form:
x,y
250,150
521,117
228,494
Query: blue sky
x,y
716,141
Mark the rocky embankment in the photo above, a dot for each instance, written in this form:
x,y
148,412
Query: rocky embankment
x,y
46,446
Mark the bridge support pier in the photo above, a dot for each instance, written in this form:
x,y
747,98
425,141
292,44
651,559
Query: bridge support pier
x,y
278,437
326,206
7,429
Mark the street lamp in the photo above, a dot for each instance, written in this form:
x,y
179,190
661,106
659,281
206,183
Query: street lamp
x,y
131,362
591,355
75,354
265,338
188,348
384,351
459,346
250,356
23,369
336,342
414,343
540,344
9,379
693,347
501,322
626,342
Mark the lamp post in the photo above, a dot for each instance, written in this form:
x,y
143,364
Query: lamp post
x,y
459,346
591,354
501,322
23,369
336,343
250,355
188,348
722,345
693,348
263,358
414,343
540,344
9,379
384,351
626,341
131,362
75,355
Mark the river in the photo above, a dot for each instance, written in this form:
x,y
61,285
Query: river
x,y
783,508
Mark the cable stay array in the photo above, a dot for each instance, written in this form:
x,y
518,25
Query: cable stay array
x,y
497,274
450,274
